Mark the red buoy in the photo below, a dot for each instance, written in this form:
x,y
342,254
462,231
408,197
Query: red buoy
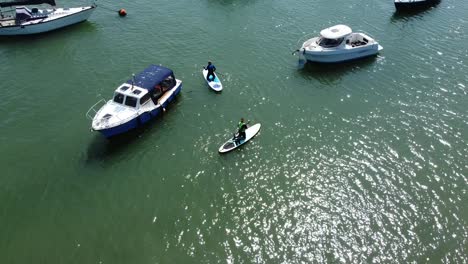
x,y
122,12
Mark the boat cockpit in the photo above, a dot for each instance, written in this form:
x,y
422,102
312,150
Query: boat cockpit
x,y
356,40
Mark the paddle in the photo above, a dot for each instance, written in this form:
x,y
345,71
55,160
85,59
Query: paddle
x,y
217,72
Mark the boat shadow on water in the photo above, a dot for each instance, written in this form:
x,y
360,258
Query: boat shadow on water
x,y
407,14
78,28
231,2
329,73
103,149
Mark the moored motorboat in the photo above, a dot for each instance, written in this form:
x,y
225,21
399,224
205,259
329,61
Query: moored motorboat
x,y
136,101
337,44
414,5
21,20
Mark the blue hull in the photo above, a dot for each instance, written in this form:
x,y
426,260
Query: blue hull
x,y
110,132
140,120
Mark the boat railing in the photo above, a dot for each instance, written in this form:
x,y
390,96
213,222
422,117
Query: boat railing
x,y
92,110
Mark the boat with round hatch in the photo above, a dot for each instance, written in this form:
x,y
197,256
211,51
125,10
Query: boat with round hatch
x,y
338,44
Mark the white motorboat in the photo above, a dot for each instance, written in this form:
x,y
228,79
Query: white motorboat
x,y
414,5
21,20
337,44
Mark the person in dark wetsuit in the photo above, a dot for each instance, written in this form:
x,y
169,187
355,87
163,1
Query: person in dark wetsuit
x,y
241,127
211,69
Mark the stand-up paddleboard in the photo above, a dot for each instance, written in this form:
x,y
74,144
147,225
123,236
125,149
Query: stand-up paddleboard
x,y
216,84
233,144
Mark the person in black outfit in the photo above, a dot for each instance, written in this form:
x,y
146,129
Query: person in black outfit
x,y
211,69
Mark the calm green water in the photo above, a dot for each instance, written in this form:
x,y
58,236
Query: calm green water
x,y
362,162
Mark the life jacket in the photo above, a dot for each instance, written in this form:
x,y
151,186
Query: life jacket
x,y
240,126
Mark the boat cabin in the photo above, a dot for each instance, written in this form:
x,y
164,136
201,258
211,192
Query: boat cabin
x,y
333,36
131,97
151,84
22,13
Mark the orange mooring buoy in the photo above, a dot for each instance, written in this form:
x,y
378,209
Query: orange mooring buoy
x,y
122,12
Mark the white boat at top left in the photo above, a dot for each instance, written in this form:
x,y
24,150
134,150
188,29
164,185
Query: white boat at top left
x,y
21,20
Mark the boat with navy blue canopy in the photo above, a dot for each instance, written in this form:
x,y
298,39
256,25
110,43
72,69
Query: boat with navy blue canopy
x,y
135,102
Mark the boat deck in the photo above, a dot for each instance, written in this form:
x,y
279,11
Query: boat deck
x,y
7,22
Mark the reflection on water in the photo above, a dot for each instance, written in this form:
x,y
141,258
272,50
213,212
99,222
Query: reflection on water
x,y
230,2
360,162
327,73
413,14
339,188
101,148
407,13
79,28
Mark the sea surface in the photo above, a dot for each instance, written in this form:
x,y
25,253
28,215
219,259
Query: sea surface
x,y
362,162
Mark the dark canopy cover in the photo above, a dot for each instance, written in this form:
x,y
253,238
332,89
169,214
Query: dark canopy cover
x,y
27,2
151,76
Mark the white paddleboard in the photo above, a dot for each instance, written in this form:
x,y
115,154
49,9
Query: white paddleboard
x,y
232,144
216,84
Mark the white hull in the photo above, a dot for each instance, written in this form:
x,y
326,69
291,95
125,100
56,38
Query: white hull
x,y
345,47
332,56
58,19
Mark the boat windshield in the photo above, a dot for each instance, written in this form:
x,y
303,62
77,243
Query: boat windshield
x,y
144,99
118,98
130,101
329,43
168,83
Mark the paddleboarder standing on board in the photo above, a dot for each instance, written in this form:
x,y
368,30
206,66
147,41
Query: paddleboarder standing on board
x,y
211,69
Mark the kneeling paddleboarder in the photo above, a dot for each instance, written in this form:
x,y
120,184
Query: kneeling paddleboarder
x,y
241,127
244,134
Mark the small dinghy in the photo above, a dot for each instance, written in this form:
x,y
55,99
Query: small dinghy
x,y
232,143
216,84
